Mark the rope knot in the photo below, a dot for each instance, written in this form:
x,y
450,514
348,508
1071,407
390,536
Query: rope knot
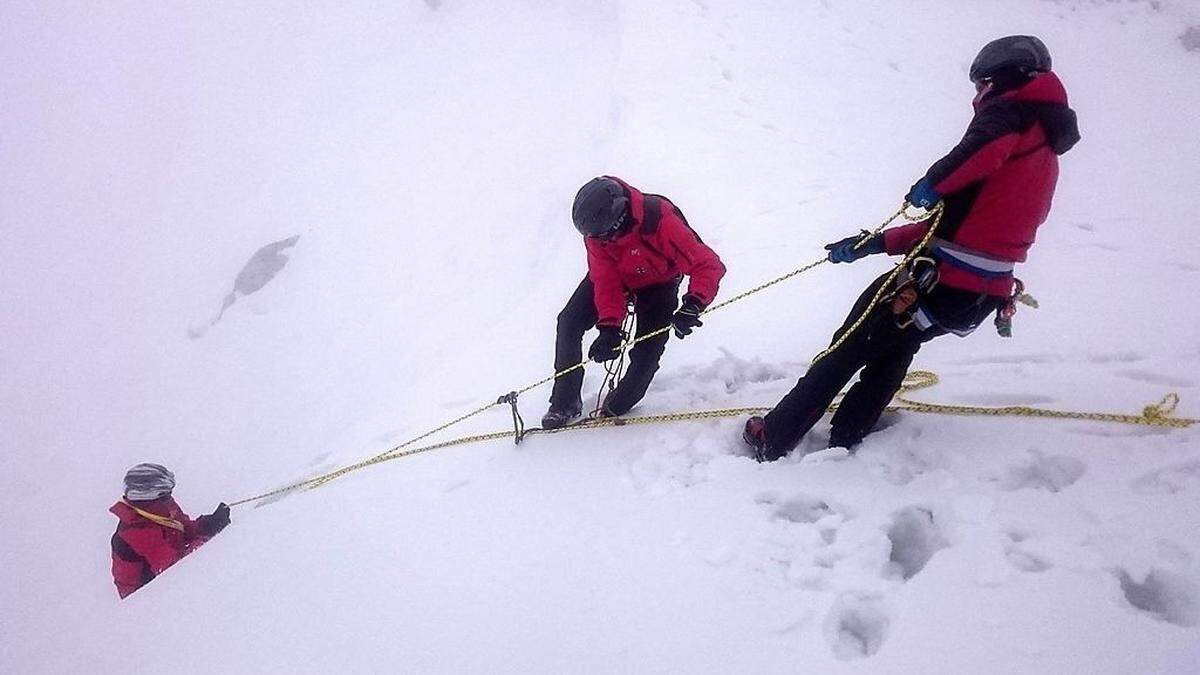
x,y
1163,409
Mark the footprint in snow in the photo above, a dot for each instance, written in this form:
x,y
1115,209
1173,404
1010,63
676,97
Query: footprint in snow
x,y
1164,595
1019,555
856,626
915,537
1043,472
1169,480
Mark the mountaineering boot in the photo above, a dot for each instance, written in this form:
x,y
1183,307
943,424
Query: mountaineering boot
x,y
755,436
559,416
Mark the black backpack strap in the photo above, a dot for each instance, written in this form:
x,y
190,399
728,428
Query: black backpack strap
x,y
651,213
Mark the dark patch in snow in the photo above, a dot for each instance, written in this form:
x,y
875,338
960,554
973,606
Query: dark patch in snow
x,y
1157,378
256,273
1191,39
1164,595
915,538
856,627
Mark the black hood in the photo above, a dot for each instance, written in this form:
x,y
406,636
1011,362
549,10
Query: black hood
x,y
1060,123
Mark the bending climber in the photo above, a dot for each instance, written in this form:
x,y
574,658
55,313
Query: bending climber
x,y
639,247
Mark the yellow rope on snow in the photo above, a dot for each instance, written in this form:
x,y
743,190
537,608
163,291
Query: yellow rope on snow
x,y
1160,414
902,212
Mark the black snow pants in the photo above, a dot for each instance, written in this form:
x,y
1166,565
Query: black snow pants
x,y
654,306
883,351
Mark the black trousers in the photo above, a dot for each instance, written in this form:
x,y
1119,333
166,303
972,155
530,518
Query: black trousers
x,y
654,306
883,351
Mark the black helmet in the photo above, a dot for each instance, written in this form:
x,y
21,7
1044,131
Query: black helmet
x,y
1022,54
601,208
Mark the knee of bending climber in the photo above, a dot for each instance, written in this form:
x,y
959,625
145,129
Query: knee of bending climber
x,y
153,533
639,247
987,197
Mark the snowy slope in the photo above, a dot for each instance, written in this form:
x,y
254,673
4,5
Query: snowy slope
x,y
426,155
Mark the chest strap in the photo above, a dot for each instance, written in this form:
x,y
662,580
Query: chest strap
x,y
154,517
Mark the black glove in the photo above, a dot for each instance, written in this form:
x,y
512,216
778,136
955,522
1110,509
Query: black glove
x,y
608,346
216,521
844,250
688,316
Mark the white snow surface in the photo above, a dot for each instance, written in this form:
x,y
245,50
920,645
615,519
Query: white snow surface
x,y
426,154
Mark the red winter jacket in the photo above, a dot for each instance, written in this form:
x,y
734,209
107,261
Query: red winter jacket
x,y
658,247
996,186
143,548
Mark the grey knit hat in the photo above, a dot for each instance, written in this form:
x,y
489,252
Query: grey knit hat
x,y
145,482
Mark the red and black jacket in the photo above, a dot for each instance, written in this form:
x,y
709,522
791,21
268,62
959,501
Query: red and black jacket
x,y
143,547
657,247
996,185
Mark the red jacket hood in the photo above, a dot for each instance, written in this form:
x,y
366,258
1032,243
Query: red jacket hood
x,y
1045,88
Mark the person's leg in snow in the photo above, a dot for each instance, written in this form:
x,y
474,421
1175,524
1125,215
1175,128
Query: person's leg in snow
x,y
878,382
575,319
654,306
883,347
783,427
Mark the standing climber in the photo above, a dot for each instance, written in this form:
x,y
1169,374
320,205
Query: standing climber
x,y
153,532
995,189
639,247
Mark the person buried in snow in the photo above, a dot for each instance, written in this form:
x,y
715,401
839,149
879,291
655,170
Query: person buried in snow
x,y
995,189
639,247
153,533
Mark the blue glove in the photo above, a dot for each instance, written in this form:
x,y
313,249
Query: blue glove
x,y
844,251
922,194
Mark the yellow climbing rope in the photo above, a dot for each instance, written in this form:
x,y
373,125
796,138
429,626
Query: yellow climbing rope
x,y
902,212
936,213
1160,414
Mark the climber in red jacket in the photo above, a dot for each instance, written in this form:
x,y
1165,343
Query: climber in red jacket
x,y
995,188
639,247
153,532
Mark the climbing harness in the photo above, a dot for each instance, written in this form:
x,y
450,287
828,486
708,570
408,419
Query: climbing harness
x,y
934,214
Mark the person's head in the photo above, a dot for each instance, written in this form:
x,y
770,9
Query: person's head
x,y
601,209
1008,63
146,482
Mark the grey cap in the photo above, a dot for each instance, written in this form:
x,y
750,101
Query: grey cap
x,y
146,481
